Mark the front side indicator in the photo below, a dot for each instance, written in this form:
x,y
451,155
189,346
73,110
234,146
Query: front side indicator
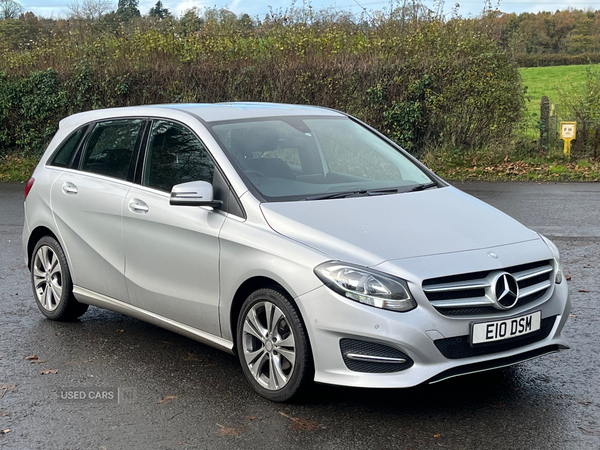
x,y
558,277
366,286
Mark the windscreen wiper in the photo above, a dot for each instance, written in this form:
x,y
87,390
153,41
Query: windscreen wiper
x,y
382,191
363,192
421,187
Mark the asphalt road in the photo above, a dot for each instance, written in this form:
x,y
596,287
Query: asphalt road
x,y
179,394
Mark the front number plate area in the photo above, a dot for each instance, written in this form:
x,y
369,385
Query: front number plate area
x,y
499,330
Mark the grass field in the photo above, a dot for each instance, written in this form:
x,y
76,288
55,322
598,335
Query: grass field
x,y
550,81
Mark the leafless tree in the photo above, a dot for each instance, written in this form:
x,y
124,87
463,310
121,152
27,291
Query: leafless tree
x,y
10,9
89,9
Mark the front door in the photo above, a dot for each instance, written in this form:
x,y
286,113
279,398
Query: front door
x,y
172,252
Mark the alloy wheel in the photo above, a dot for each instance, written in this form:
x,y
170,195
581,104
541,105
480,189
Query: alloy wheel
x,y
47,278
269,345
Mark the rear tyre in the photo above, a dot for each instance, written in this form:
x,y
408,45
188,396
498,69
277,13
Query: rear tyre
x,y
51,282
273,346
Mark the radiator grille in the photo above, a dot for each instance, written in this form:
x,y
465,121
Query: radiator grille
x,y
471,293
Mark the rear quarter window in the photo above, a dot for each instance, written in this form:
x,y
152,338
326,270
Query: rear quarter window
x,y
64,156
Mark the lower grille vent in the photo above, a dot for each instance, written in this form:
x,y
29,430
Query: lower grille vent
x,y
363,356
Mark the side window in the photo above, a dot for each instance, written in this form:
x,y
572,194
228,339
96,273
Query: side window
x,y
175,155
110,147
64,156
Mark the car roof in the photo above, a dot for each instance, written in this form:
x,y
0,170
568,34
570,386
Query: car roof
x,y
209,112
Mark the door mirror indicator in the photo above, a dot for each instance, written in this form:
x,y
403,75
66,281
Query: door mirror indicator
x,y
194,193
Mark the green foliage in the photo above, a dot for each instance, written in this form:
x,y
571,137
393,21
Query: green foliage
x,y
40,98
583,106
191,22
159,11
423,82
15,168
29,108
405,122
128,9
498,163
7,96
549,81
571,31
557,59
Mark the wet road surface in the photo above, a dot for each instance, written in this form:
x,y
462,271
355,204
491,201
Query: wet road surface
x,y
179,394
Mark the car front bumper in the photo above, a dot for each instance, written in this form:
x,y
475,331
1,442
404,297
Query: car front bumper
x,y
330,318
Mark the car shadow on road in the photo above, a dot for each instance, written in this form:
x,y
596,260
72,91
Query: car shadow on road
x,y
134,346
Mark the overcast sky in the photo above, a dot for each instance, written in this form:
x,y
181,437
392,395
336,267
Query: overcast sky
x,y
58,8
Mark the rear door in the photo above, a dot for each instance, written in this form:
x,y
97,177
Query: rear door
x,y
87,201
172,252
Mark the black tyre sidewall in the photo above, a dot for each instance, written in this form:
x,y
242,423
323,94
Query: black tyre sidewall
x,y
302,374
68,308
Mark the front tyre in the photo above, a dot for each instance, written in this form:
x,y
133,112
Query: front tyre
x,y
273,346
51,282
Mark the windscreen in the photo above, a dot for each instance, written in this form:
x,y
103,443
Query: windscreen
x,y
309,158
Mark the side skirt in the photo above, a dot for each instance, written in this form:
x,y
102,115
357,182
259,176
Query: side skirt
x,y
93,298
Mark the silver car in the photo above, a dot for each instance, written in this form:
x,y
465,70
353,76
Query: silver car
x,y
296,237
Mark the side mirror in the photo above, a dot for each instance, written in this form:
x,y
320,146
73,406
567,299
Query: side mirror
x,y
194,193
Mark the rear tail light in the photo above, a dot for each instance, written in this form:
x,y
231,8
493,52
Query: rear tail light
x,y
28,186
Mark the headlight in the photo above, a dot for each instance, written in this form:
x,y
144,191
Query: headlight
x,y
366,286
554,249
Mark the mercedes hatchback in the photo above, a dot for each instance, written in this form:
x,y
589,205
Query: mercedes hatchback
x,y
297,238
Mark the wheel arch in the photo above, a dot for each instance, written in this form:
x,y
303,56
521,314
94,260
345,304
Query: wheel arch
x,y
37,234
247,288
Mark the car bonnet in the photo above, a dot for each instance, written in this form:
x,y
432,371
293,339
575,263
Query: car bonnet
x,y
372,229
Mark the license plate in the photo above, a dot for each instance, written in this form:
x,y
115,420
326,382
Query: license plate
x,y
500,330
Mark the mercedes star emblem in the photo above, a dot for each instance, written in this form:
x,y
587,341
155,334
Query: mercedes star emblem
x,y
505,290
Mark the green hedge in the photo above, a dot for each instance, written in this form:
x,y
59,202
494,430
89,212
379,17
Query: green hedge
x,y
431,85
557,59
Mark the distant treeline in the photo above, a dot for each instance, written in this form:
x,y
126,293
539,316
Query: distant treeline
x,y
556,59
568,32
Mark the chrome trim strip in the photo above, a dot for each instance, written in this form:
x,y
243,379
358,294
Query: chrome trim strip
x,y
463,302
90,174
458,286
526,274
535,288
93,298
484,283
376,359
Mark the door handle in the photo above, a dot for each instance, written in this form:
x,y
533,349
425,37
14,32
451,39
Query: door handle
x,y
138,206
69,188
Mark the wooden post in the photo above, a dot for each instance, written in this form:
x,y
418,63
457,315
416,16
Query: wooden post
x,y
544,123
553,135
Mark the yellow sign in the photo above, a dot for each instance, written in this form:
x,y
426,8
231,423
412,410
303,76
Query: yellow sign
x,y
568,132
